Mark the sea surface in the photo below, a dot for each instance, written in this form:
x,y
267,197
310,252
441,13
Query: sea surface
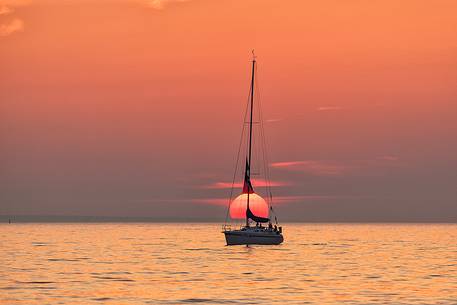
x,y
189,263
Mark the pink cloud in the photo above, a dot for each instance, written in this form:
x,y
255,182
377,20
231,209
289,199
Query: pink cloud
x,y
255,183
334,168
161,4
277,200
329,108
273,120
292,199
389,158
315,167
212,201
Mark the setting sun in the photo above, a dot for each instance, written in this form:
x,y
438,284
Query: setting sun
x,y
257,204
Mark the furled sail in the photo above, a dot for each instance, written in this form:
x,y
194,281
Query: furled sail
x,y
251,215
248,189
247,186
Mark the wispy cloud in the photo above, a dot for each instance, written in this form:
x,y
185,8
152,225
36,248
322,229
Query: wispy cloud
x,y
277,200
255,182
16,25
273,120
161,4
389,158
212,201
329,108
333,168
302,198
315,167
5,10
7,7
224,201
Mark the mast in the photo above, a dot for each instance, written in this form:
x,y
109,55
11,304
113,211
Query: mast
x,y
248,168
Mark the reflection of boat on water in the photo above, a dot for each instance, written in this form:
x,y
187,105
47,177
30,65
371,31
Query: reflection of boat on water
x,y
249,206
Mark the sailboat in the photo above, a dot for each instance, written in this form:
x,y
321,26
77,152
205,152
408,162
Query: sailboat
x,y
249,203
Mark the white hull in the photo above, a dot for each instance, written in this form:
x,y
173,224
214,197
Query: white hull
x,y
253,237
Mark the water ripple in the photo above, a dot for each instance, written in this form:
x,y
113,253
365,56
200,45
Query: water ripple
x,y
317,264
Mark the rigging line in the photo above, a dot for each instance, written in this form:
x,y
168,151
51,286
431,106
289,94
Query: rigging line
x,y
237,158
266,165
264,150
262,147
252,93
265,154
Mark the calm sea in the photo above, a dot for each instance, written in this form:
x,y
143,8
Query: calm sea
x,y
189,263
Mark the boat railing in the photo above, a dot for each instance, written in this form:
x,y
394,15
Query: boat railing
x,y
230,227
226,227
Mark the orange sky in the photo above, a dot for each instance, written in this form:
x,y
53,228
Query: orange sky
x,y
121,107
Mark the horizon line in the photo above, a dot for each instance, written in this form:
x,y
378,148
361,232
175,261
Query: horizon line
x,y
4,219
